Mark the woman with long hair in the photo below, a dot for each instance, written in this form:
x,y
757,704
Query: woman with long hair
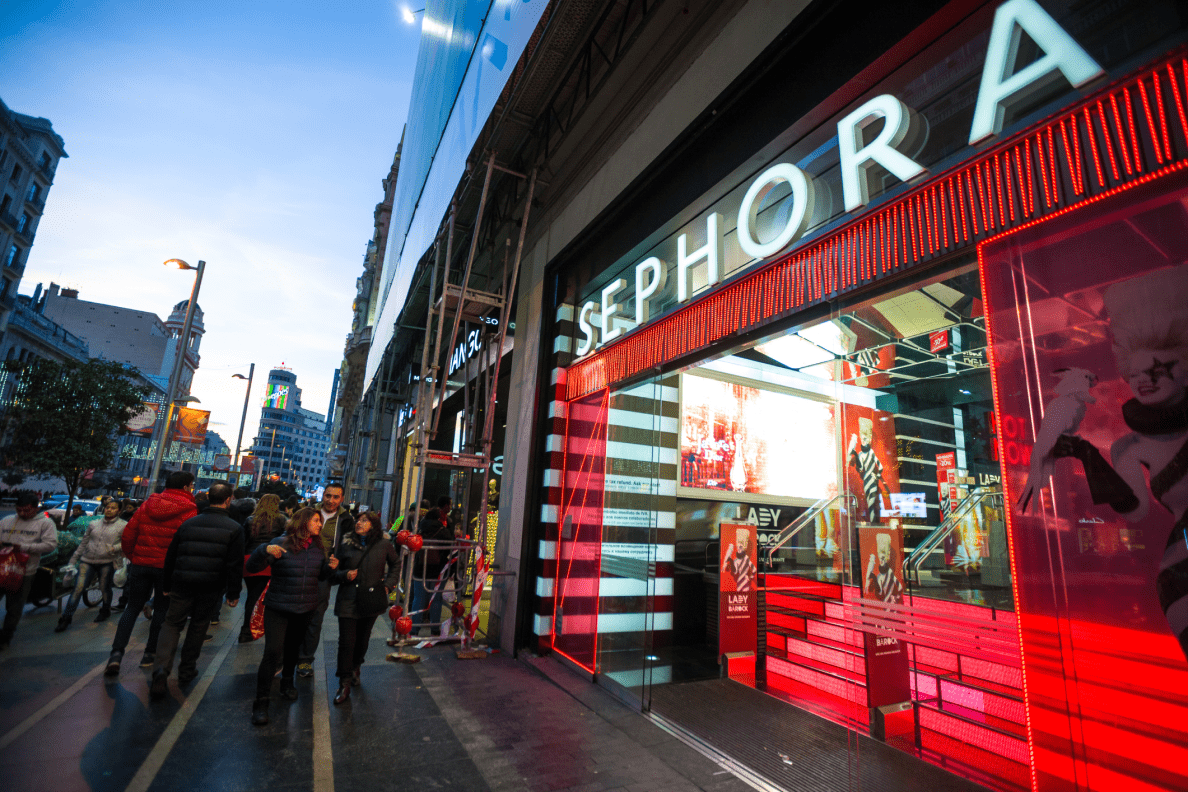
x,y
298,562
263,525
363,555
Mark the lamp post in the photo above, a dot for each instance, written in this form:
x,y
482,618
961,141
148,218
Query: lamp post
x,y
246,397
409,15
175,378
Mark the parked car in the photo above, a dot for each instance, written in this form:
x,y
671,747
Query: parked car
x,y
59,511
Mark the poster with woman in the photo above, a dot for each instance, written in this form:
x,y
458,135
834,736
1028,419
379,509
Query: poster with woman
x,y
1088,324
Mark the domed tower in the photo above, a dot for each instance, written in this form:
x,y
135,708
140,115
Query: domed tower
x,y
174,326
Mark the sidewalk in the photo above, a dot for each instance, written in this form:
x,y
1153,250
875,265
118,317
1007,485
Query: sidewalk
x,y
495,724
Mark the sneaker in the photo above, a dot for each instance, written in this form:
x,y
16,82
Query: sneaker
x,y
288,690
63,623
260,712
148,660
305,670
160,686
113,664
104,615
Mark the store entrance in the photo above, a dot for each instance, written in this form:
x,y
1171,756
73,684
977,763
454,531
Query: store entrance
x,y
839,493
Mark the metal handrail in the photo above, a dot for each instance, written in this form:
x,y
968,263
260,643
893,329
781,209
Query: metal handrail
x,y
795,527
912,563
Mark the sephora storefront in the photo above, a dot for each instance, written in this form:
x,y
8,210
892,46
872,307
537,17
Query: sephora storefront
x,y
892,431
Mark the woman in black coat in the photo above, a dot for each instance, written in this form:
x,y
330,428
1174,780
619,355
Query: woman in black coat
x,y
262,526
362,558
298,562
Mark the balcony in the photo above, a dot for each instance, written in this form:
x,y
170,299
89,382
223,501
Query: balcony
x,y
26,235
50,333
46,171
9,220
36,204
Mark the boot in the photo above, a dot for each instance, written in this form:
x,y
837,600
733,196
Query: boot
x,y
260,712
344,692
113,664
63,623
104,615
288,690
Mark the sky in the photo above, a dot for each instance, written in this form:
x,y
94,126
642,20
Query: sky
x,y
252,135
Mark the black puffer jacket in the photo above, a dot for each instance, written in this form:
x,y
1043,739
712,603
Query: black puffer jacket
x,y
205,554
295,575
240,509
266,534
375,552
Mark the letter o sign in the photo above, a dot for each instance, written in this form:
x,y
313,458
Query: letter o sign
x,y
802,209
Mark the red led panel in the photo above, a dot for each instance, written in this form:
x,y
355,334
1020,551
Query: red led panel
x,y
1135,128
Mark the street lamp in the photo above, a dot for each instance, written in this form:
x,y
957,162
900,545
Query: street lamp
x,y
175,377
246,397
410,16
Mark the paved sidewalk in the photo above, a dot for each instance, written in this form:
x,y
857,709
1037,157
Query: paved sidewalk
x,y
494,724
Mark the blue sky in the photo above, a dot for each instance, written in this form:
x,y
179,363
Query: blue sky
x,y
252,135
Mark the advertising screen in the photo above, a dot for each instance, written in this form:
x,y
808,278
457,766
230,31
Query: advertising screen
x,y
191,425
276,396
744,440
909,504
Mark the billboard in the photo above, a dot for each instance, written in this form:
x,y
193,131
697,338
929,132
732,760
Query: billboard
x,y
738,604
276,396
142,421
743,440
190,427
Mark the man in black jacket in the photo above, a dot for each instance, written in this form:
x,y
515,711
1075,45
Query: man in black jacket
x,y
205,560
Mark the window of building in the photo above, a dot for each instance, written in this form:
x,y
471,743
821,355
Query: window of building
x,y
23,223
10,259
45,161
5,203
34,192
16,174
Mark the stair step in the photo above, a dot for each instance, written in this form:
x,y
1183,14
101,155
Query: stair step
x,y
807,603
813,699
974,762
825,681
834,632
999,741
771,580
787,621
844,659
857,675
800,635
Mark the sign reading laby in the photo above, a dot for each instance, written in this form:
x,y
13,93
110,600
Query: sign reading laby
x,y
738,604
1003,86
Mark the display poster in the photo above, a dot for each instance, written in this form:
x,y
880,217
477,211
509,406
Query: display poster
x,y
190,427
944,463
222,463
247,465
881,549
738,601
741,439
872,464
142,421
1089,338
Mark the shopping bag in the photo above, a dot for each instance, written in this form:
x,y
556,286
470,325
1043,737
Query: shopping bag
x,y
12,568
120,578
257,623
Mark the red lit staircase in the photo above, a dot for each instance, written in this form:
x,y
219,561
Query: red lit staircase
x,y
967,710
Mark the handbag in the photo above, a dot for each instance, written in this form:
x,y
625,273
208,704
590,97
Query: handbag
x,y
256,624
371,600
12,568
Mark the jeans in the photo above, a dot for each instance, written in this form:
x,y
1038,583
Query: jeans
x,y
143,582
198,607
353,637
14,607
313,634
283,633
420,599
87,573
255,587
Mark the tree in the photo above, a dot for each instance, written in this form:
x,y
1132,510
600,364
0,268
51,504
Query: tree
x,y
64,417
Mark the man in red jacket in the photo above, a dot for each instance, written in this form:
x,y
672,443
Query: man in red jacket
x,y
146,541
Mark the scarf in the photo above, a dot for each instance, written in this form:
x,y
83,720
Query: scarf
x,y
1155,420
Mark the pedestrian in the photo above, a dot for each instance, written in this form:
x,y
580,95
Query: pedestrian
x,y
299,565
427,601
262,526
127,509
145,542
205,559
96,557
30,533
336,521
363,591
242,506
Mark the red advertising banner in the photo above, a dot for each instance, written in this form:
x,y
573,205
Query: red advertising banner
x,y
938,341
944,463
738,604
247,465
191,426
222,463
881,549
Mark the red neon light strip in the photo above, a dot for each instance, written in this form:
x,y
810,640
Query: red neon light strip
x,y
917,227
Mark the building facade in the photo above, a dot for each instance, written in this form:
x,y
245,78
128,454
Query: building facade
x,y
29,155
291,443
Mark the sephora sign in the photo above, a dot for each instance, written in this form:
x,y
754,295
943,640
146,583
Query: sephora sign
x,y
1002,86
